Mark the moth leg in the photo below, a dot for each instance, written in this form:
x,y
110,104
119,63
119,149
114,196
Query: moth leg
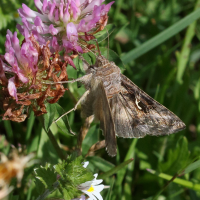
x,y
75,107
83,79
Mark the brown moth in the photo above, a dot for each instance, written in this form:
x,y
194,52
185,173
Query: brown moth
x,y
122,108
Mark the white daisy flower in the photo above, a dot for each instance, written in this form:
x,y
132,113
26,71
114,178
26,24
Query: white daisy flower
x,y
92,188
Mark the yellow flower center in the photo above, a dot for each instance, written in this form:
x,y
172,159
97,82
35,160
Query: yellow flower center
x,y
91,189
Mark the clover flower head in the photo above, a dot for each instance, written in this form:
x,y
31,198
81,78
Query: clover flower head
x,y
24,69
64,22
20,61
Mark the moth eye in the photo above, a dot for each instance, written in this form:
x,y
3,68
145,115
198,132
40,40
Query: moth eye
x,y
112,63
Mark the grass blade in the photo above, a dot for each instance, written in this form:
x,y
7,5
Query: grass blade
x,y
161,37
130,154
183,57
115,169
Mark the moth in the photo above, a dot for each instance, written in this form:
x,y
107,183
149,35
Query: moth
x,y
123,109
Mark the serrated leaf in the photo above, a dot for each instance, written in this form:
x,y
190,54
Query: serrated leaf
x,y
63,123
49,116
46,175
40,187
178,158
46,181
77,173
60,168
112,56
47,192
72,175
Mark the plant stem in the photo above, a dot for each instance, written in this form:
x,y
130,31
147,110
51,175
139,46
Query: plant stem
x,y
53,141
55,145
174,177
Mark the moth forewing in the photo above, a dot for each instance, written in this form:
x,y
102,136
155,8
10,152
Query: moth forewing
x,y
143,113
97,103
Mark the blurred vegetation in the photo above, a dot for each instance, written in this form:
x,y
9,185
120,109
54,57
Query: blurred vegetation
x,y
169,72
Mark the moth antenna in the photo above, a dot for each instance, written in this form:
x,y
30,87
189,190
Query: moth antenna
x,y
87,49
108,43
98,47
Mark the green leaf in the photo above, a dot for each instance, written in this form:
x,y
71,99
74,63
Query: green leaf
x,y
115,169
192,167
112,56
63,123
161,37
100,163
49,116
88,58
102,35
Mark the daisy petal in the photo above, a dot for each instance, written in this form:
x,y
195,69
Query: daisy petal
x,y
98,188
97,194
85,164
90,195
97,182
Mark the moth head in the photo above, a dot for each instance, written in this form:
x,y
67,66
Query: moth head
x,y
102,62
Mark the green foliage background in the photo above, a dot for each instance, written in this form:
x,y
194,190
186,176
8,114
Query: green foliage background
x,y
170,73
